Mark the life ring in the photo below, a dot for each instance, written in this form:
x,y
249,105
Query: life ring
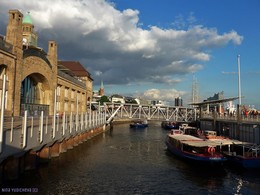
x,y
199,132
211,150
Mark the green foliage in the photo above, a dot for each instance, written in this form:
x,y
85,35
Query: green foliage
x,y
103,99
133,101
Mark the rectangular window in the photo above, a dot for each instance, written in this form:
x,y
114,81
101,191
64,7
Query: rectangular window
x,y
58,106
66,92
58,90
72,107
72,94
66,106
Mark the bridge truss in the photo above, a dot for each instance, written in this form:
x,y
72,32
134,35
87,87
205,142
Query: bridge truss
x,y
135,111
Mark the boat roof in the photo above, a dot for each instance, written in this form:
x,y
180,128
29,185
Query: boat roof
x,y
227,141
198,142
192,141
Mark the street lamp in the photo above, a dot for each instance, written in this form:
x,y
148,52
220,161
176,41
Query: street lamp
x,y
239,82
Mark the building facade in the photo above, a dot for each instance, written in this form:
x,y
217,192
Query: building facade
x,y
33,80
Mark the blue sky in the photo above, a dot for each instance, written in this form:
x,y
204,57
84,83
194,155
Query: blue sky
x,y
220,72
152,48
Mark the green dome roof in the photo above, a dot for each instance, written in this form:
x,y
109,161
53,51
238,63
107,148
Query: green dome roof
x,y
27,19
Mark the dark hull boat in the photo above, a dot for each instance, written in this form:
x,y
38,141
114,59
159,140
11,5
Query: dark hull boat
x,y
169,125
244,155
138,125
193,148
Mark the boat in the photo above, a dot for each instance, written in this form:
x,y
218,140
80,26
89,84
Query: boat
x,y
193,148
169,125
139,124
238,153
189,130
203,134
245,155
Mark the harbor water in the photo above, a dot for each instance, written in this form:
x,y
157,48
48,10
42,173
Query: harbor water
x,y
131,161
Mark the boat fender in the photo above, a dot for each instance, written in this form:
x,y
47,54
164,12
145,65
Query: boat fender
x,y
211,150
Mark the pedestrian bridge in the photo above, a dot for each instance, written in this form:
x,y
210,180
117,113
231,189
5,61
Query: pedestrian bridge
x,y
135,111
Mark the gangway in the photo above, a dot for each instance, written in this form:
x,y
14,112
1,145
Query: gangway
x,y
113,115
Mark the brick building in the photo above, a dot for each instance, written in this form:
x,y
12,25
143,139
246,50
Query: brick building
x,y
35,80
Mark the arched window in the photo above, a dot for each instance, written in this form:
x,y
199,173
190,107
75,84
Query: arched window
x,y
28,91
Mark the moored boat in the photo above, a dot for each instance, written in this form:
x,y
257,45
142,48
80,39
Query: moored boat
x,y
193,148
203,134
242,154
169,125
246,155
139,124
189,130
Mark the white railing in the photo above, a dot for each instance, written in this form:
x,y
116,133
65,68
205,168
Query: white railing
x,y
30,133
244,118
135,111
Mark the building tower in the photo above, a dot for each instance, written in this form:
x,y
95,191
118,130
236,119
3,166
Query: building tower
x,y
195,94
30,38
101,90
178,101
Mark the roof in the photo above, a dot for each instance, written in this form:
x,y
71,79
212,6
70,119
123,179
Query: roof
x,y
198,142
214,101
73,68
27,19
192,141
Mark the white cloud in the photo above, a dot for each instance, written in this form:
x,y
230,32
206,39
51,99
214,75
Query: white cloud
x,y
163,94
113,42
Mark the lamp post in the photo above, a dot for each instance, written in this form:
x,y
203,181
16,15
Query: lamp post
x,y
239,97
239,82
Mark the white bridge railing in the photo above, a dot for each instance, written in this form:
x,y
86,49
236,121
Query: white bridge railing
x,y
135,111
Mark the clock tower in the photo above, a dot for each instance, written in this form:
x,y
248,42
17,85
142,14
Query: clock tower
x,y
30,38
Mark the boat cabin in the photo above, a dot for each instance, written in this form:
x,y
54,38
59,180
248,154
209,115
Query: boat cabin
x,y
210,133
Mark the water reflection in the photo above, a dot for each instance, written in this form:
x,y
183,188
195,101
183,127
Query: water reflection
x,y
203,177
133,161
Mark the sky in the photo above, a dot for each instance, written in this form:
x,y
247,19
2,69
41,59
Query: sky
x,y
154,49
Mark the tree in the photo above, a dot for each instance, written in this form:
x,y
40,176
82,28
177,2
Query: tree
x,y
103,99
